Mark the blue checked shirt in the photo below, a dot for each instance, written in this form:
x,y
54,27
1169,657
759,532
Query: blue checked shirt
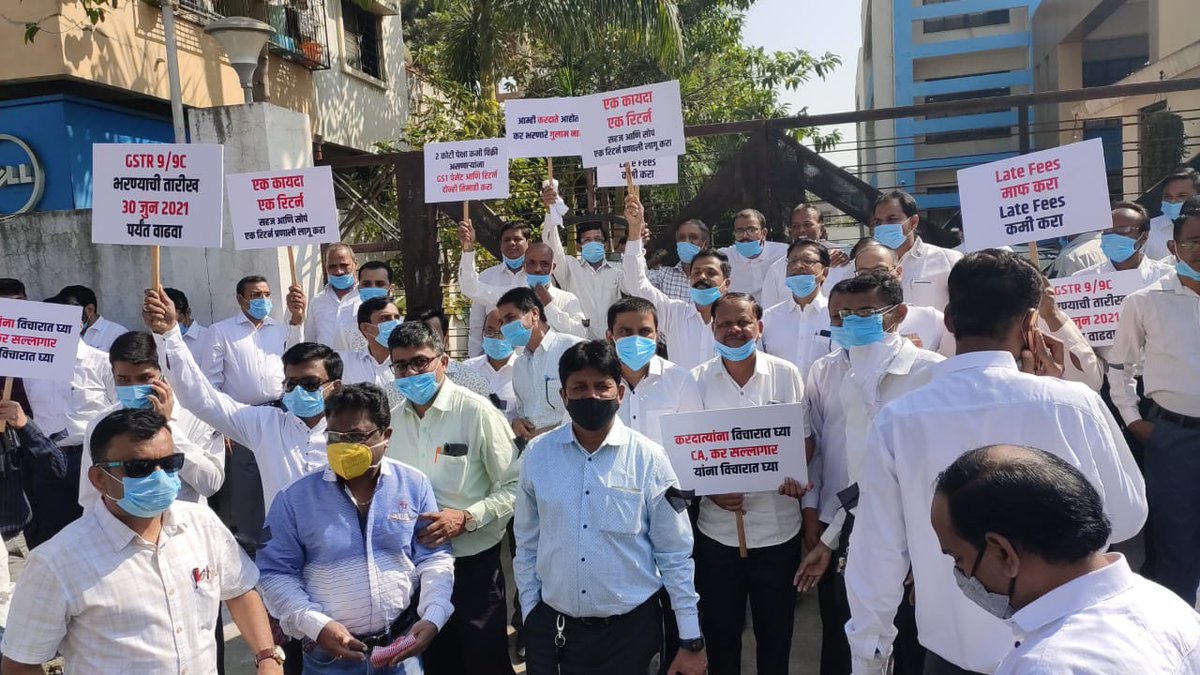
x,y
596,534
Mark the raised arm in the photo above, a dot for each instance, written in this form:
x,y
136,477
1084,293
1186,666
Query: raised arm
x,y
552,237
633,261
565,315
468,278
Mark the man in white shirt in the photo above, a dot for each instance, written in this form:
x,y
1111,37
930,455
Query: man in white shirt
x,y
495,365
894,221
806,222
535,372
686,324
691,237
797,329
1027,532
591,277
1158,329
375,280
1177,189
377,318
98,331
333,313
508,273
751,254
924,326
976,398
194,334
563,310
87,594
653,385
1079,252
743,377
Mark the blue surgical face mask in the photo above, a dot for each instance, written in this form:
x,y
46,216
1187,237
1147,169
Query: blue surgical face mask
x,y
370,293
890,235
259,308
134,395
536,280
385,331
514,263
420,389
686,251
496,348
593,252
1185,270
304,403
342,282
735,353
1117,248
1172,211
801,285
148,496
749,249
857,331
704,296
183,329
516,333
636,351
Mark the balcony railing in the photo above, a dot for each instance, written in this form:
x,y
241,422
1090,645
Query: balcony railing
x,y
300,33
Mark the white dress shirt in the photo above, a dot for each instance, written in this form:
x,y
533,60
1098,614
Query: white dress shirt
x,y
360,366
775,288
596,287
501,381
500,276
69,406
689,339
770,518
564,313
244,360
827,421
749,274
283,445
1149,269
929,325
1108,621
1082,252
197,339
666,389
535,380
799,335
925,270
1158,327
111,602
1162,230
973,400
333,321
102,333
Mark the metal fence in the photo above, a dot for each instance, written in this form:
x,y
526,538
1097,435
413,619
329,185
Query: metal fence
x,y
300,31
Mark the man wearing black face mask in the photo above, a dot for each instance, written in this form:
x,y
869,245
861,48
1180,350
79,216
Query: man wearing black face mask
x,y
600,528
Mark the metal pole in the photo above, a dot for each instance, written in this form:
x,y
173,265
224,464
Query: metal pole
x,y
168,17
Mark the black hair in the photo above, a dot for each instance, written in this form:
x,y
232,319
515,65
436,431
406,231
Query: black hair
x,y
989,290
822,251
1191,209
140,424
82,295
11,287
1040,503
752,213
907,203
375,265
739,297
524,299
598,355
433,313
1143,216
178,299
1184,173
136,348
805,206
884,283
366,397
700,225
369,307
252,279
588,227
304,352
628,304
525,230
414,335
726,268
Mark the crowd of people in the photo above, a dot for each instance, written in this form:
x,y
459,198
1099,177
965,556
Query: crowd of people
x,y
351,493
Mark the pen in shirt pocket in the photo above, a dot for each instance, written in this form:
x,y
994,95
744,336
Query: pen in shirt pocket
x,y
436,453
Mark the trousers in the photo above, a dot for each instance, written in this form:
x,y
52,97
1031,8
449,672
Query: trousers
x,y
475,639
1172,473
622,645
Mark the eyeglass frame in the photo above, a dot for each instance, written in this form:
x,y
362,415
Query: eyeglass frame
x,y
844,314
152,465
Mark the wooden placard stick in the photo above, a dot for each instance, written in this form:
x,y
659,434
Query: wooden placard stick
x,y
466,211
155,268
741,532
550,169
1033,255
292,263
629,186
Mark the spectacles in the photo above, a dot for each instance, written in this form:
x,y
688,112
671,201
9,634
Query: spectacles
x,y
864,313
140,468
349,437
1131,232
747,231
418,365
808,263
309,383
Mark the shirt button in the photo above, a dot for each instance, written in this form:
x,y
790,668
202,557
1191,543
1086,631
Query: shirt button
x,y
585,527
587,492
583,560
178,630
584,592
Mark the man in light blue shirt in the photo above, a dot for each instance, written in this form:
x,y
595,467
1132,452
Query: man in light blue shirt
x,y
600,528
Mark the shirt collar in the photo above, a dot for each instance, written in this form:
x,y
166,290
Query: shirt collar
x,y
242,318
818,303
1076,595
617,436
446,395
917,250
385,469
975,360
1172,283
548,340
119,535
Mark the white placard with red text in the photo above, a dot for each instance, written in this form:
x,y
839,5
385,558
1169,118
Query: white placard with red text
x,y
1042,195
631,124
293,207
737,450
653,171
38,339
1093,302
157,194
466,170
542,127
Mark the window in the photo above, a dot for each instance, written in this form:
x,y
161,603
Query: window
x,y
361,37
970,134
996,17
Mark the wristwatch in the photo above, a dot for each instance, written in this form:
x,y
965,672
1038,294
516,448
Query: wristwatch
x,y
470,524
693,645
275,653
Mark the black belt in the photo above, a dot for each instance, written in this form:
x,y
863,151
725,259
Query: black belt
x,y
601,620
399,627
1184,421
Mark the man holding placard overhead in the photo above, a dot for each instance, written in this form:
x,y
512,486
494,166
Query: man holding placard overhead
x,y
333,316
508,273
894,221
591,277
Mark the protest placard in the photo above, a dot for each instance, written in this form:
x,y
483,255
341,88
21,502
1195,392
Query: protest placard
x,y
737,450
1042,195
466,170
157,194
38,340
1093,302
653,171
283,208
631,124
542,127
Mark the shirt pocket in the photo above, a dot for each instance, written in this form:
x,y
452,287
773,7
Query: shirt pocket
x,y
623,509
449,474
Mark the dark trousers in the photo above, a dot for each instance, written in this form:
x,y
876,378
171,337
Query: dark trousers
x,y
908,656
1138,450
240,499
53,502
624,645
936,665
726,581
835,612
1172,477
475,639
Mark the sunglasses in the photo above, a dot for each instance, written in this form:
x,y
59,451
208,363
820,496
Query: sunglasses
x,y
309,383
349,437
140,468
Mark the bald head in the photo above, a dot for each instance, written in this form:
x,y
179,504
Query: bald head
x,y
870,255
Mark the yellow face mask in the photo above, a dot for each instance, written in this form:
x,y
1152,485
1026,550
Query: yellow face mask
x,y
349,460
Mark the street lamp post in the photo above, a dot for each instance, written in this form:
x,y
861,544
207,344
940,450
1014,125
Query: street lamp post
x,y
242,38
168,16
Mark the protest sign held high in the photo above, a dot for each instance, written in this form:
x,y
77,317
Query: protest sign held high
x,y
466,170
283,208
38,340
654,171
1094,302
631,124
542,127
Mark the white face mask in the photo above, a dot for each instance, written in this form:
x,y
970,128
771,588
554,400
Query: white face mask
x,y
998,605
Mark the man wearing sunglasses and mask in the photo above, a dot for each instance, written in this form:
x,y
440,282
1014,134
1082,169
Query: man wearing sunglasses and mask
x,y
348,556
465,446
134,586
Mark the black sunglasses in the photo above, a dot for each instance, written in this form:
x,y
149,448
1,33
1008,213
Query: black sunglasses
x,y
140,468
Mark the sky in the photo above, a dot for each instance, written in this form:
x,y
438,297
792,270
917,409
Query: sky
x,y
818,27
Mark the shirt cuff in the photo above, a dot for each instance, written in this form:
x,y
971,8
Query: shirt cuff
x,y
688,623
311,623
1129,414
436,615
479,514
832,535
811,499
528,602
